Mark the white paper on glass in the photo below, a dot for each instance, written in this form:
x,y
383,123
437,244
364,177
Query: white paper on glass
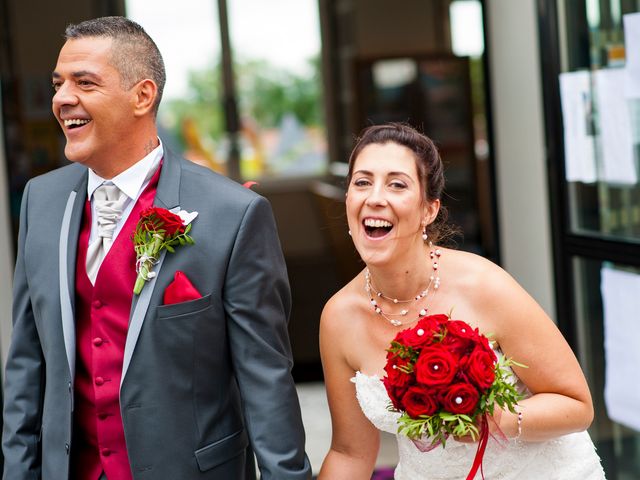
x,y
618,164
631,23
621,303
577,115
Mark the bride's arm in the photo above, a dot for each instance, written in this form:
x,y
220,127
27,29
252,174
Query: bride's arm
x,y
560,401
355,441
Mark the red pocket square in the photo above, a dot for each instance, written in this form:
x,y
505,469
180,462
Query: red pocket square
x,y
180,290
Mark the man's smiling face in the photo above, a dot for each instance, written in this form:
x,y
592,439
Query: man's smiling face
x,y
93,108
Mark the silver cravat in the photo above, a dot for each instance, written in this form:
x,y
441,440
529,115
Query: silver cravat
x,y
108,203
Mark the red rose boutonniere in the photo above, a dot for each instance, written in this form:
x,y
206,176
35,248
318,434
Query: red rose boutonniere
x,y
445,379
158,229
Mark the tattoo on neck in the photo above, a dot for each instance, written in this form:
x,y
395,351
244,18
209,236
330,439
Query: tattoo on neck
x,y
148,148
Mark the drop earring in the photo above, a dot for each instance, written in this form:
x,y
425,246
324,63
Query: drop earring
x,y
425,237
349,232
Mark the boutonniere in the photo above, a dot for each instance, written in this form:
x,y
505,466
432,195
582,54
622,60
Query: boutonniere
x,y
158,229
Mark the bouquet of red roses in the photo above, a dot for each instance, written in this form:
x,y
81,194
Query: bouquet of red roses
x,y
446,379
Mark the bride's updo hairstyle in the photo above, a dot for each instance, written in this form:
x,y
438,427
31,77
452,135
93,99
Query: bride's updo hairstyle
x,y
428,163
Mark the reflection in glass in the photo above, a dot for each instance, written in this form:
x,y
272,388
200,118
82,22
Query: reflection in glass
x,y
190,116
276,47
607,205
276,53
597,292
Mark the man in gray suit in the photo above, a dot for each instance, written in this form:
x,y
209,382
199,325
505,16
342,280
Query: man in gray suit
x,y
190,377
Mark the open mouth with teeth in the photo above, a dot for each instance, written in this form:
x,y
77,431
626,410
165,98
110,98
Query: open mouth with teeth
x,y
376,228
75,123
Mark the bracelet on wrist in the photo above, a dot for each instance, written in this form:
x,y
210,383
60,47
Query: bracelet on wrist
x,y
519,412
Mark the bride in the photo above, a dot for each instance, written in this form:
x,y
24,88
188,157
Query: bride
x,y
395,183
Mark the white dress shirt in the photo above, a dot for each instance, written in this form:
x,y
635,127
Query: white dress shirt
x,y
132,182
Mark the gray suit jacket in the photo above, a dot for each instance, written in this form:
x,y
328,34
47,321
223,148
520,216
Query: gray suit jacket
x,y
203,381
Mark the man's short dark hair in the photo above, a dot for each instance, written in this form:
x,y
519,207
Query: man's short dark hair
x,y
133,53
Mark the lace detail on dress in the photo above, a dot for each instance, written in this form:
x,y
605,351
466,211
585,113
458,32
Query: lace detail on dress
x,y
374,402
571,457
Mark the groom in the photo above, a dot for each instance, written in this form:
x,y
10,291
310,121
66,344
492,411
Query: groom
x,y
192,376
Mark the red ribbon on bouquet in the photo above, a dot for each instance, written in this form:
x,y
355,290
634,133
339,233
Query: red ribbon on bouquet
x,y
482,445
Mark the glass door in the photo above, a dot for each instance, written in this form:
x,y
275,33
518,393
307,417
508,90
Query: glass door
x,y
592,112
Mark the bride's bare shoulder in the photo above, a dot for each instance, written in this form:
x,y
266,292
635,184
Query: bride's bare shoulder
x,y
345,302
474,273
466,265
481,280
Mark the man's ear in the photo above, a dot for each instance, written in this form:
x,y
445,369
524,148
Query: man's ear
x,y
145,92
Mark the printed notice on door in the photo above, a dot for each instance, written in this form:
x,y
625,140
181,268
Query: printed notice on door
x,y
621,304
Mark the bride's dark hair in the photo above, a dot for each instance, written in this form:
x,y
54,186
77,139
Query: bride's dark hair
x,y
428,163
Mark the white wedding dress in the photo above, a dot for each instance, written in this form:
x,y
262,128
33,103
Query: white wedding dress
x,y
570,457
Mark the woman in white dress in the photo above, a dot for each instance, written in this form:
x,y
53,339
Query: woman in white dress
x,y
395,183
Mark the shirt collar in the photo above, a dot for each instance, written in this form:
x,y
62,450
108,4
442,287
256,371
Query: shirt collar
x,y
133,179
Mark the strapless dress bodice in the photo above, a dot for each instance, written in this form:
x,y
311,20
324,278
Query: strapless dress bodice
x,y
570,457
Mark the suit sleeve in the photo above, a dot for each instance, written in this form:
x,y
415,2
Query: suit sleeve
x,y
258,302
24,376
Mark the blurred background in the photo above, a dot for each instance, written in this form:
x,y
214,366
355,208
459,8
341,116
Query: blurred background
x,y
531,103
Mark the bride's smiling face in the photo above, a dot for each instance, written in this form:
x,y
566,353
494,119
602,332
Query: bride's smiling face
x,y
385,204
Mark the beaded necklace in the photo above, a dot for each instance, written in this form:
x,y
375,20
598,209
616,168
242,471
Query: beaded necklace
x,y
434,281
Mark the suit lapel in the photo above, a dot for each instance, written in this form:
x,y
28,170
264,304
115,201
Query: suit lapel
x,y
168,193
167,196
67,250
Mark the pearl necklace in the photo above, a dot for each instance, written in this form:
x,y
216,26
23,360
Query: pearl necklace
x,y
434,281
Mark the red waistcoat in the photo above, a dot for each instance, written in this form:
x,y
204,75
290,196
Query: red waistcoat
x,y
102,319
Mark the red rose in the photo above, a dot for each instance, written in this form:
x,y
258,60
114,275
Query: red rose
x,y
395,393
170,222
460,337
457,346
415,337
484,343
460,398
479,367
396,377
436,366
432,323
419,401
461,329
